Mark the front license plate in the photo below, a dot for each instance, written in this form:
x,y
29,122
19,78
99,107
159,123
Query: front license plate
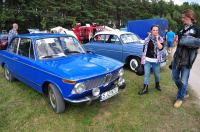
x,y
109,94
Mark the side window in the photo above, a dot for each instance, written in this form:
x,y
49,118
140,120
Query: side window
x,y
99,38
13,45
26,48
112,39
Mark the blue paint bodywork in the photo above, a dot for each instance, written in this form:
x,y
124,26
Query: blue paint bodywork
x,y
79,67
118,51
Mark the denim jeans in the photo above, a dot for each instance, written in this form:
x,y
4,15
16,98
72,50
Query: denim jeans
x,y
180,77
147,71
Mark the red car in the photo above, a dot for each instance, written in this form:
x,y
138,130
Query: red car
x,y
84,33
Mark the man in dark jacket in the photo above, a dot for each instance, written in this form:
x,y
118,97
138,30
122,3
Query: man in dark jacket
x,y
184,56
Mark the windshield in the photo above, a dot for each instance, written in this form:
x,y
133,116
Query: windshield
x,y
71,45
129,38
57,47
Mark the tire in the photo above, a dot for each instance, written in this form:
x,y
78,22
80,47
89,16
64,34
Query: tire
x,y
133,63
7,74
55,98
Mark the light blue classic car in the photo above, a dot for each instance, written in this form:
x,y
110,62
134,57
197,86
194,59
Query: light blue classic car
x,y
57,65
120,45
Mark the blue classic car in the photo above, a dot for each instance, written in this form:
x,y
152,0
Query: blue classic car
x,y
57,65
120,45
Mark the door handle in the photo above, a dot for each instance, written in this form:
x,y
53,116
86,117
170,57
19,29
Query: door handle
x,y
14,58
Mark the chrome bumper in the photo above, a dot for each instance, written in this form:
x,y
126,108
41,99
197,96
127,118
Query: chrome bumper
x,y
85,99
89,99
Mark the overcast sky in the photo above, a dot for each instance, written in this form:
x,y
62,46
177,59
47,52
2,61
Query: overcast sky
x,y
179,2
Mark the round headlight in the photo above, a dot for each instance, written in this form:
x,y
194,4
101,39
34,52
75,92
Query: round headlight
x,y
95,91
121,72
79,88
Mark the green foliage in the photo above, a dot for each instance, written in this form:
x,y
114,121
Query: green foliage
x,y
43,23
50,13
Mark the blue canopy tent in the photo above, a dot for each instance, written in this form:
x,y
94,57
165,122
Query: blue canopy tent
x,y
142,27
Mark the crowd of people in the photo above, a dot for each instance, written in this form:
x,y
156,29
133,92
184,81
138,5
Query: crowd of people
x,y
183,57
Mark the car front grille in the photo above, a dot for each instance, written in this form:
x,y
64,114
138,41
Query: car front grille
x,y
101,81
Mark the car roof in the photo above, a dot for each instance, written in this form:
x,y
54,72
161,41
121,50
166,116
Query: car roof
x,y
40,35
116,32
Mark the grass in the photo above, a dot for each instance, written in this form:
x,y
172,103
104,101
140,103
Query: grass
x,y
23,109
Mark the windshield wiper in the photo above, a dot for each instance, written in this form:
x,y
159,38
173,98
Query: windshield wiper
x,y
71,52
49,56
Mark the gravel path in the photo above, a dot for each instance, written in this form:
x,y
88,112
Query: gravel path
x,y
194,79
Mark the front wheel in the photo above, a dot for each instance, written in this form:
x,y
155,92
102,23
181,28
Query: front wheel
x,y
133,64
7,74
55,98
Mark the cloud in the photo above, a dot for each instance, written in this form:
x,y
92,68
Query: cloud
x,y
180,2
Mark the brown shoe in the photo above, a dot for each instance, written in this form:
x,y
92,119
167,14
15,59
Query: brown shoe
x,y
178,103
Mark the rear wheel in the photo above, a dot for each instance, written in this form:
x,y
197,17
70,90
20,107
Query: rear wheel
x,y
134,63
7,74
55,98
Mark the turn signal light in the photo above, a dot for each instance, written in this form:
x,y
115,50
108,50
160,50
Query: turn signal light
x,y
69,81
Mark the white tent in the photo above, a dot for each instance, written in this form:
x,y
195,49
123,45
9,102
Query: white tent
x,y
62,30
104,28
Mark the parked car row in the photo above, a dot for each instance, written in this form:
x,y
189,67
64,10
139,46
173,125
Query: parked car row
x,y
62,69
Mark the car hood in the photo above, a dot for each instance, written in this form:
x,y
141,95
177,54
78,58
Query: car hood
x,y
81,66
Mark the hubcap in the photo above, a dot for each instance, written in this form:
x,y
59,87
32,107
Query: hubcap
x,y
133,64
52,98
7,74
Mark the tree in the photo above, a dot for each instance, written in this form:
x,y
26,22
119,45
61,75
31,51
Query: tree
x,y
50,13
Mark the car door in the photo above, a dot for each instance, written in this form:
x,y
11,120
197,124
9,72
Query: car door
x,y
11,56
25,66
107,45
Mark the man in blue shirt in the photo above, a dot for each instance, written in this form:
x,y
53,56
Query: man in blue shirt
x,y
170,40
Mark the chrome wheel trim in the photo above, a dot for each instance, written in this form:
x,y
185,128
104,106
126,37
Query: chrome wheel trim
x,y
133,64
52,98
7,74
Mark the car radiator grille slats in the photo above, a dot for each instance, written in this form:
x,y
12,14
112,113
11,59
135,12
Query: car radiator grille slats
x,y
101,81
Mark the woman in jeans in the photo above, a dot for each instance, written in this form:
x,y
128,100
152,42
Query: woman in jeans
x,y
151,58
